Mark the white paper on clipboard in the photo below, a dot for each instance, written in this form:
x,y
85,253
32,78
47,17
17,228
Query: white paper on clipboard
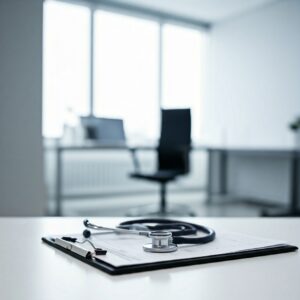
x,y
126,250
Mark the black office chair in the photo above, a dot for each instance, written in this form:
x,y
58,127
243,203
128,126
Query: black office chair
x,y
172,155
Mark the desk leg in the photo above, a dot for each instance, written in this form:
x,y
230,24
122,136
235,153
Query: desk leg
x,y
293,209
209,189
294,183
223,172
58,196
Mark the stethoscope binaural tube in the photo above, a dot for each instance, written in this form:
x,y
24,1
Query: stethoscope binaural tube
x,y
87,233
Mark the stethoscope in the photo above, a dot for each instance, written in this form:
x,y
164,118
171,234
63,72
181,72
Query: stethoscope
x,y
165,234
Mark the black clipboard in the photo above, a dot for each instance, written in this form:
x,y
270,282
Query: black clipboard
x,y
112,270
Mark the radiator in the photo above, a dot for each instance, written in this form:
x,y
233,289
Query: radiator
x,y
106,172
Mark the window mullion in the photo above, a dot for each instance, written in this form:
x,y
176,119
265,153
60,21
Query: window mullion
x,y
92,24
160,67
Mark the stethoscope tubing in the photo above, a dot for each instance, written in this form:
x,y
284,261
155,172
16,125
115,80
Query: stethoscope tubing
x,y
179,229
180,236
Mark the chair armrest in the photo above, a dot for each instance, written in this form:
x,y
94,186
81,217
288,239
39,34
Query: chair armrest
x,y
133,151
135,160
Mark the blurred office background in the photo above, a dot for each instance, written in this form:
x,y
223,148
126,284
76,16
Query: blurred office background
x,y
234,63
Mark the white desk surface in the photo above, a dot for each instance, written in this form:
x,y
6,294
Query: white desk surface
x,y
30,269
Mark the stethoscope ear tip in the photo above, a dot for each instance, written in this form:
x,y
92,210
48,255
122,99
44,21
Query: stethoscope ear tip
x,y
86,233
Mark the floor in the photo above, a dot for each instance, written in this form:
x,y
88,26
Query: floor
x,y
130,205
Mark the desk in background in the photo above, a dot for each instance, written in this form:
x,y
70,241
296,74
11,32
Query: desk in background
x,y
32,270
223,155
213,153
61,149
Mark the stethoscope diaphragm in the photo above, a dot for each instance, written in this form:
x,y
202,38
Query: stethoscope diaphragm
x,y
162,242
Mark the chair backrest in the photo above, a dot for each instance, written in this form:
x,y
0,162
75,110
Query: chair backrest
x,y
175,140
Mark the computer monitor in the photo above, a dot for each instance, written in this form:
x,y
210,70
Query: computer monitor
x,y
90,125
111,130
104,130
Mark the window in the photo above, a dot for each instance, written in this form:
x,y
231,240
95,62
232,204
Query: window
x,y
133,74
126,72
66,64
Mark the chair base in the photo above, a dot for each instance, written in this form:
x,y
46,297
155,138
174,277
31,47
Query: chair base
x,y
154,211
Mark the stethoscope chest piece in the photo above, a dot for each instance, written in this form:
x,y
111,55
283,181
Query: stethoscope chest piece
x,y
161,242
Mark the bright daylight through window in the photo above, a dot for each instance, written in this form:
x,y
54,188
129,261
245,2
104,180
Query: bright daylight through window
x,y
139,66
126,72
66,64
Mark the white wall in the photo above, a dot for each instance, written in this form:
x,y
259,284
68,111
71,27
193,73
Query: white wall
x,y
21,172
254,89
253,94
